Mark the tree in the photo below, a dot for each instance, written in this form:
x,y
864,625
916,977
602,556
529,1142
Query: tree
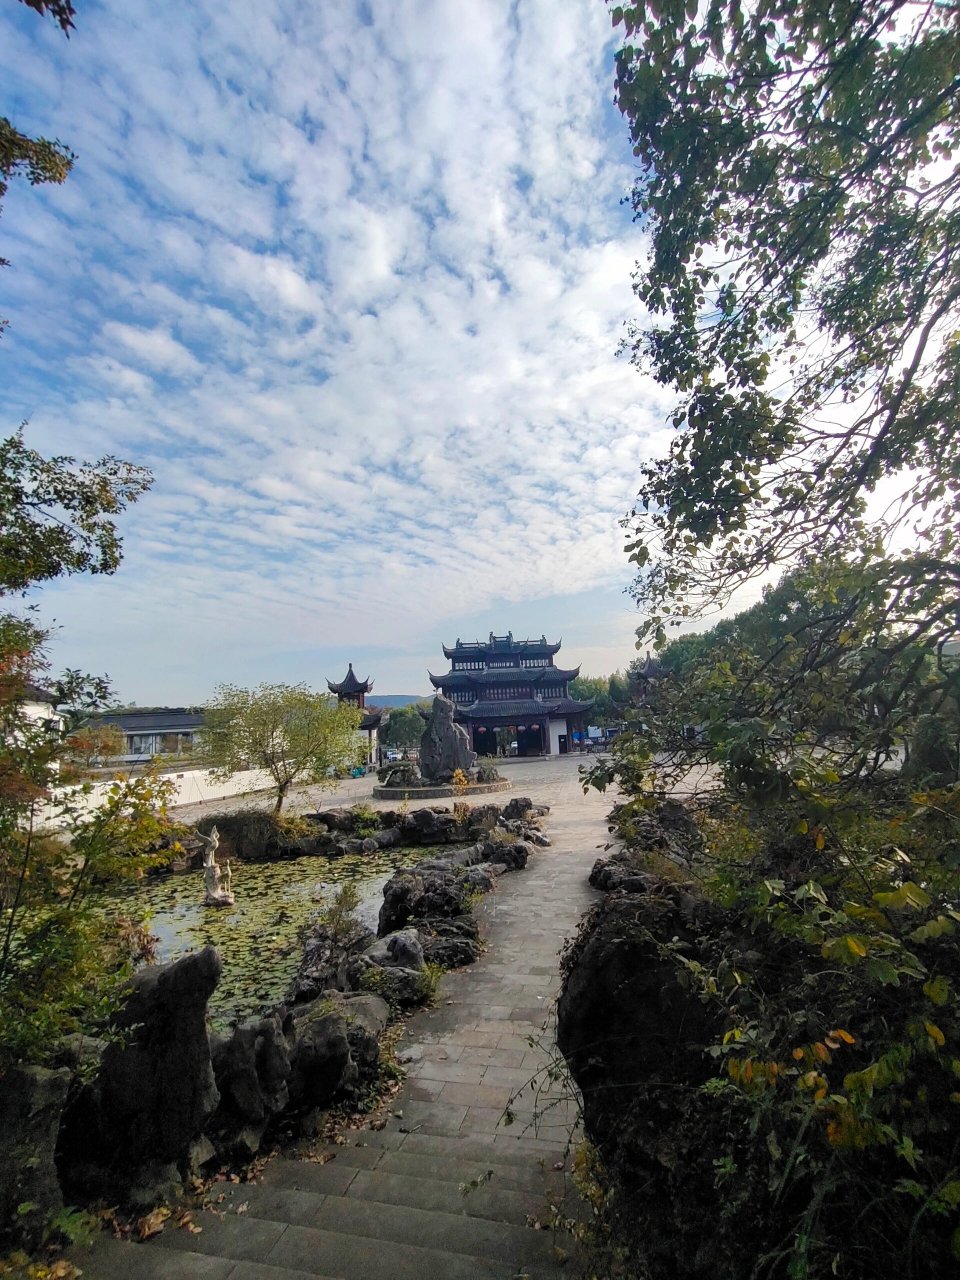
x,y
291,733
798,180
801,194
59,513
94,744
609,693
38,158
405,726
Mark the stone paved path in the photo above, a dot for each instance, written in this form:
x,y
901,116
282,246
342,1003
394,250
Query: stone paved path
x,y
390,1203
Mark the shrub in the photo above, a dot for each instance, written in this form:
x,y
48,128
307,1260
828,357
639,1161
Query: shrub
x,y
817,1131
254,834
339,914
365,820
459,782
428,983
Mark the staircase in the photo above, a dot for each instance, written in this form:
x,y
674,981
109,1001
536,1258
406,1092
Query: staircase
x,y
444,1191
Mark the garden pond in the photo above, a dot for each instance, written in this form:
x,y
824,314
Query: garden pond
x,y
259,939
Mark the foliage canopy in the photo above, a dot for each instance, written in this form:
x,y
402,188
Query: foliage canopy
x,y
404,727
800,188
38,159
293,734
799,184
58,513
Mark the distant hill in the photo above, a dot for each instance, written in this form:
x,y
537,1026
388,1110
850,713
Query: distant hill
x,y
396,699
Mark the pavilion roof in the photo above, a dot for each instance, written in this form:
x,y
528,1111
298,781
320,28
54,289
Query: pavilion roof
x,y
350,683
503,675
498,646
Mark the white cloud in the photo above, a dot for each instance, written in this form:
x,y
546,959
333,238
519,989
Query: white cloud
x,y
352,283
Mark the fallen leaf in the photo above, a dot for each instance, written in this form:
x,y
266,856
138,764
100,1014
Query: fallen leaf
x,y
152,1223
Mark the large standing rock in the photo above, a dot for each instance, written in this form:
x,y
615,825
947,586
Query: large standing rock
x,y
444,747
411,894
323,960
336,1042
320,1059
252,1071
31,1103
623,1017
135,1123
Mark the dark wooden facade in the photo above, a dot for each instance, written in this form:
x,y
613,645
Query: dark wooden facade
x,y
503,683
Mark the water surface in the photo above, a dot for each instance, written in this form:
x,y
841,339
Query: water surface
x,y
259,937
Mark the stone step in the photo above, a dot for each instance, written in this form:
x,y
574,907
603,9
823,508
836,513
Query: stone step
x,y
325,1253
504,1148
500,1204
111,1259
450,1230
442,1165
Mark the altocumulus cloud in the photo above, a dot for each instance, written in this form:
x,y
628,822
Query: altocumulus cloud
x,y
350,279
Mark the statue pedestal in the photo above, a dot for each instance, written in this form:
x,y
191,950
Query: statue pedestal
x,y
219,899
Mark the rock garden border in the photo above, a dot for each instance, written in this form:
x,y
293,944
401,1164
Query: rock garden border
x,y
163,1101
440,790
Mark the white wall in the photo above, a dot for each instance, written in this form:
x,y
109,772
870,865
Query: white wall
x,y
192,787
556,728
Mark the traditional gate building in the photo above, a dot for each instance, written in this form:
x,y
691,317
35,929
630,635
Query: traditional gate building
x,y
502,683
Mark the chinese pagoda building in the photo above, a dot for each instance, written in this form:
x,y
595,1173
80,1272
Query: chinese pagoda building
x,y
355,691
502,683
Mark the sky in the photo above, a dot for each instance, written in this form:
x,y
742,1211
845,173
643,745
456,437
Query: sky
x,y
350,280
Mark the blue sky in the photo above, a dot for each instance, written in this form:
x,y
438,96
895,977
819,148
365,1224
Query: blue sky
x,y
350,280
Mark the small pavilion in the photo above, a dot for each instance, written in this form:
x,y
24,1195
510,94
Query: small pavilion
x,y
354,692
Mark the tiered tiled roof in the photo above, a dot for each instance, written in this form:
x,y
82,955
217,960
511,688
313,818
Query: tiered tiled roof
x,y
350,684
497,646
504,675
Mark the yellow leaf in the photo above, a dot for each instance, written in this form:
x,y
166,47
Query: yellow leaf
x,y
798,1054
819,840
845,1036
854,947
153,1223
937,989
935,1034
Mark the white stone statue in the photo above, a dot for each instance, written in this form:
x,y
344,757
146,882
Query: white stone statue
x,y
218,891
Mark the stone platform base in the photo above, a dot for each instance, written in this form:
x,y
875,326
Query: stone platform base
x,y
440,791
